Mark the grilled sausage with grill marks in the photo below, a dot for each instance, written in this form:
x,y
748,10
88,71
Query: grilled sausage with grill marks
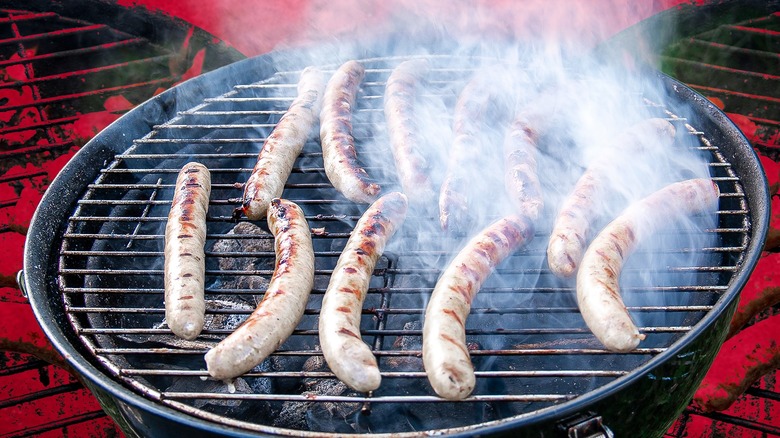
x,y
405,136
445,354
598,291
350,359
520,176
283,145
185,260
572,227
467,153
338,146
284,302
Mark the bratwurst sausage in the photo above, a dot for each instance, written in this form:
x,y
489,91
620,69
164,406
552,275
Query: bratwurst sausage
x,y
404,131
572,227
284,302
521,179
185,259
467,155
283,145
338,146
445,355
598,291
347,355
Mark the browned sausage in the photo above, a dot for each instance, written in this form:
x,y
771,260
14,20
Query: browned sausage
x,y
572,227
347,355
283,145
445,355
185,260
404,131
284,301
338,146
520,176
598,291
465,155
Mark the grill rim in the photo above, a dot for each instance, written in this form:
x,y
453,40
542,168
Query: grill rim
x,y
59,201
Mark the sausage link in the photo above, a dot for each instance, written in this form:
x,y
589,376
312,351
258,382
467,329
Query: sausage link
x,y
579,211
598,291
185,259
350,359
405,136
338,146
284,144
445,354
466,154
520,177
284,302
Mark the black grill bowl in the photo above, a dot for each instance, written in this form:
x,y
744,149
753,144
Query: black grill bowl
x,y
643,402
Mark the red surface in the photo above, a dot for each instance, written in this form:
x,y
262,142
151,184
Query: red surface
x,y
32,415
255,27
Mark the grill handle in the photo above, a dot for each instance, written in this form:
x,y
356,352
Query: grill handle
x,y
21,283
586,425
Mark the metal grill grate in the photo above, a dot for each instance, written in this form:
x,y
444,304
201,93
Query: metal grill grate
x,y
56,69
56,73
735,64
529,344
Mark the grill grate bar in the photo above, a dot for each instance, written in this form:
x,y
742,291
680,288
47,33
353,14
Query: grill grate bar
x,y
552,398
114,236
137,229
27,16
737,421
328,254
283,100
54,34
267,272
389,311
317,291
36,149
6,178
128,187
747,74
232,113
43,124
40,394
763,393
220,126
173,156
751,29
88,71
155,351
382,332
58,425
707,89
99,92
75,52
389,374
32,364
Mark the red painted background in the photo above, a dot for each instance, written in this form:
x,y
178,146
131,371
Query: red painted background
x,y
255,27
